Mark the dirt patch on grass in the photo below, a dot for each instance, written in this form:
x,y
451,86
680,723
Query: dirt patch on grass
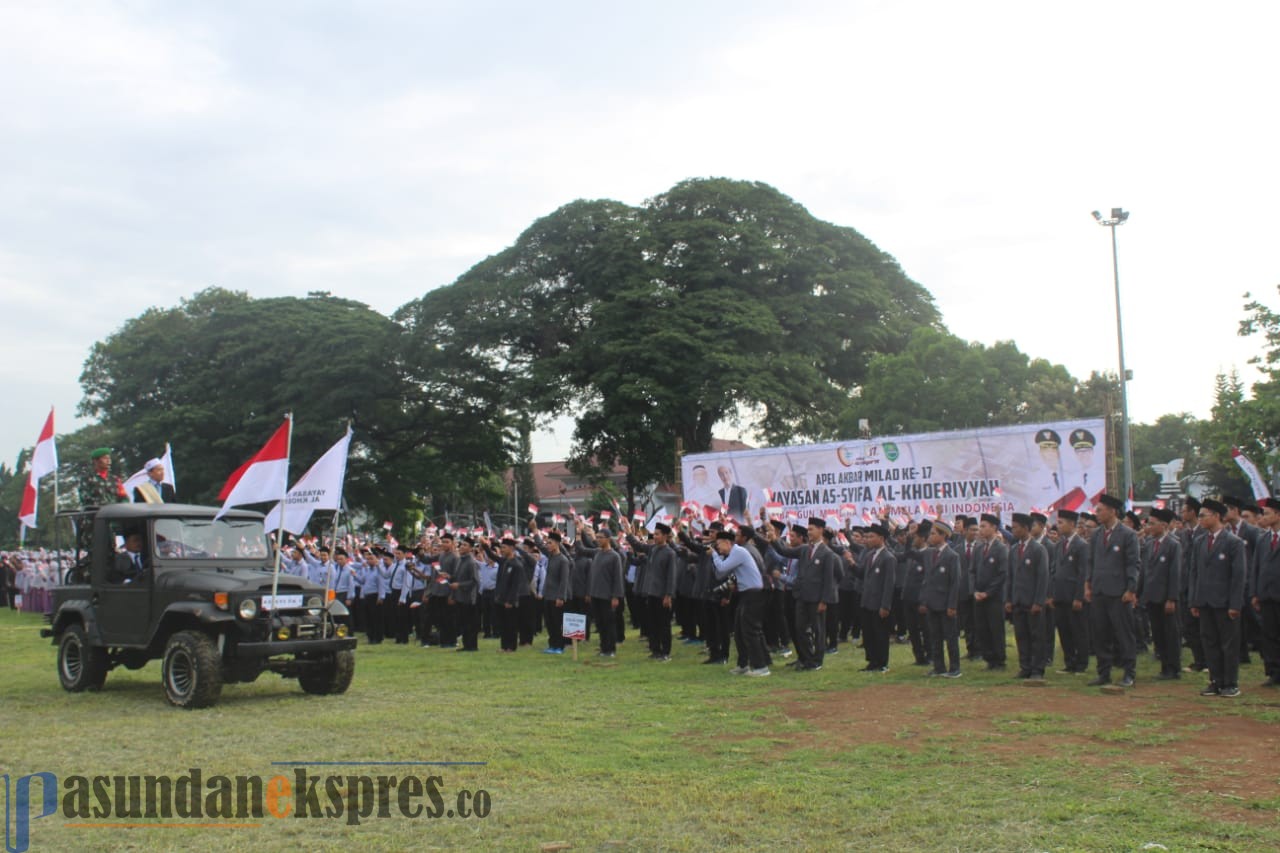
x,y
1208,745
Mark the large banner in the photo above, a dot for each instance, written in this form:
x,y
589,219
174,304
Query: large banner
x,y
1047,466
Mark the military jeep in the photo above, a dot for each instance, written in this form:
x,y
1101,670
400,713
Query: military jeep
x,y
199,598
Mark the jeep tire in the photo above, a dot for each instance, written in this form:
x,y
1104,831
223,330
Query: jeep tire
x,y
332,675
192,670
81,666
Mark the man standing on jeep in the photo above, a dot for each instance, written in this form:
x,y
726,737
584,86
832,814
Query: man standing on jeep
x,y
100,487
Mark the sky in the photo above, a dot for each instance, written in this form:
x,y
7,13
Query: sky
x,y
378,150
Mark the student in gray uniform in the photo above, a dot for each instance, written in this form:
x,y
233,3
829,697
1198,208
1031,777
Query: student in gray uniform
x,y
1066,591
940,599
1161,580
1027,587
987,574
1111,588
605,589
879,566
1217,597
1266,587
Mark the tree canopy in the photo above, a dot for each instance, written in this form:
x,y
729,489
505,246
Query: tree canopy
x,y
215,376
655,323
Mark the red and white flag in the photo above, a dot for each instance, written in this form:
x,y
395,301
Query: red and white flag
x,y
773,508
533,509
265,477
639,515
1250,470
848,510
605,515
44,461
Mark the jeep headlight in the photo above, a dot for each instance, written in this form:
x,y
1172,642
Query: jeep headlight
x,y
248,608
315,602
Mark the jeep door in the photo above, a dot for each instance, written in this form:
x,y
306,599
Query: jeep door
x,y
123,596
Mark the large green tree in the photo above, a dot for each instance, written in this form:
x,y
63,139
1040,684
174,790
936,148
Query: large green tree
x,y
655,323
938,381
216,374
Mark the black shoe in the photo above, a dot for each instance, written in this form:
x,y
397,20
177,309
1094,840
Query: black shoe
x,y
1271,682
710,661
1127,681
1166,676
1229,692
995,667
921,663
1210,690
1023,673
1101,681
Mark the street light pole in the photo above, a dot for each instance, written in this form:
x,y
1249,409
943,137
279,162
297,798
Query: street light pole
x,y
1119,217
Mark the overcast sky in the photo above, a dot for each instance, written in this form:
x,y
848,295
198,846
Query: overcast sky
x,y
379,149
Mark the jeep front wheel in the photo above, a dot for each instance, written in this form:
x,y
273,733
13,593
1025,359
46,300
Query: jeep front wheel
x,y
81,666
330,676
192,672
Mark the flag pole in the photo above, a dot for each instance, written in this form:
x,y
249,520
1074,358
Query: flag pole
x,y
333,549
275,572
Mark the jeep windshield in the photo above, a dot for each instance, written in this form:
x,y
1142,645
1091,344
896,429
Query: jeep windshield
x,y
206,539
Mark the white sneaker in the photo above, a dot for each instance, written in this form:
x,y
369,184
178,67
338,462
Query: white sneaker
x,y
758,673
739,670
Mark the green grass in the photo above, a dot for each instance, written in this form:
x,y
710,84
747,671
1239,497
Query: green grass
x,y
673,756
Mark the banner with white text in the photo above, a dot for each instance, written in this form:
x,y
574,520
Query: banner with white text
x,y
1045,466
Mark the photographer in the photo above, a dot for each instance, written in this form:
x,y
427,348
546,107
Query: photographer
x,y
748,634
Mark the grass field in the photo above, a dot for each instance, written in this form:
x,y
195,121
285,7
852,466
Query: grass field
x,y
638,755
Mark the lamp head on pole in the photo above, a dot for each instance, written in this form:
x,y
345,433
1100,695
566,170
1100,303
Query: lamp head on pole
x,y
1118,217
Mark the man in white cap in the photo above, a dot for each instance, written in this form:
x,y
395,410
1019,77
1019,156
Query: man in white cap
x,y
154,490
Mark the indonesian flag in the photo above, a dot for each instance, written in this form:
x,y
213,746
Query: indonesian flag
x,y
690,508
848,510
141,477
832,520
44,461
605,515
773,508
768,494
533,509
639,515
557,519
792,515
998,492
1250,470
264,476
319,488
711,513
386,525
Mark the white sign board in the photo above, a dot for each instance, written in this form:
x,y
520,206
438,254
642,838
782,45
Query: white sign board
x,y
575,626
1040,466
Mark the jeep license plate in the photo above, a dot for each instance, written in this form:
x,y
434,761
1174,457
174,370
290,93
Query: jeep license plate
x,y
281,602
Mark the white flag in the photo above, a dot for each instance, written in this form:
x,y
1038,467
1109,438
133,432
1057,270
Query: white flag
x,y
1250,470
319,488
